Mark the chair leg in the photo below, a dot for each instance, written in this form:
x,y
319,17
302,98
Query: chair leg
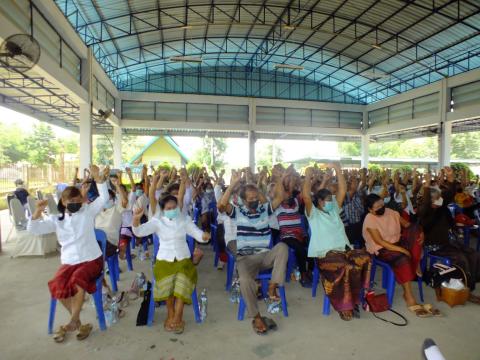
x,y
51,317
145,244
315,280
390,284
326,305
196,308
128,256
151,307
97,298
241,309
112,273
230,269
283,297
373,270
117,267
420,288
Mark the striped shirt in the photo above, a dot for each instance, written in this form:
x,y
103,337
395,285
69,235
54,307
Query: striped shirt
x,y
353,207
290,220
253,229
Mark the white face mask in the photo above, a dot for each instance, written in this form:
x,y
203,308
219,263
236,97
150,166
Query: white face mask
x,y
438,202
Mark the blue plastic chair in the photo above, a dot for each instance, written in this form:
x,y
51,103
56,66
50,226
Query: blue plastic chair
x,y
264,277
97,295
291,264
388,279
112,261
315,283
213,233
151,305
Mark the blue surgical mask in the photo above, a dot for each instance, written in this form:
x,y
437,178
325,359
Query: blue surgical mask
x,y
109,204
172,214
139,192
328,206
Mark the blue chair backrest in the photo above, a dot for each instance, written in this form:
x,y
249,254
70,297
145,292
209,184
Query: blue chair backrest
x,y
191,244
453,209
102,241
196,214
156,245
212,207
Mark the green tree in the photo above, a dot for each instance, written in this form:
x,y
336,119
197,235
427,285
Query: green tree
x,y
103,150
212,152
41,145
265,156
70,145
12,140
349,148
466,145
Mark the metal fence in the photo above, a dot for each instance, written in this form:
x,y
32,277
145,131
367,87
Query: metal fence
x,y
35,177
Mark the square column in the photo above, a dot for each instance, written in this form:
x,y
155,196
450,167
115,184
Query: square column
x,y
445,143
251,150
365,152
85,136
117,147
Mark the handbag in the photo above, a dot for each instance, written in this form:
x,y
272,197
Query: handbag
x,y
379,303
142,316
438,273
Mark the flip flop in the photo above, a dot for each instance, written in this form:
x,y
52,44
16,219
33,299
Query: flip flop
x,y
419,311
271,325
179,328
84,331
435,312
168,327
344,316
257,330
60,334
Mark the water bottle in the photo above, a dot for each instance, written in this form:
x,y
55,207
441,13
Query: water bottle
x,y
108,317
273,307
203,305
235,292
114,310
141,253
297,273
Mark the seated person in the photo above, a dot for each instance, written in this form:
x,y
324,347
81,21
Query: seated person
x,y
382,230
174,272
81,257
110,219
252,246
437,221
344,272
290,224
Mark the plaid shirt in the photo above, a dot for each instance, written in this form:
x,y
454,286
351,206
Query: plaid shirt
x,y
353,207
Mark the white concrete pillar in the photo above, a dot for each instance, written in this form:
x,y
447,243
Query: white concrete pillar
x,y
365,151
85,136
251,150
445,143
117,147
445,133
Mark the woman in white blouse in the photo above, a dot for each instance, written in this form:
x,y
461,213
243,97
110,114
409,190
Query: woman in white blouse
x,y
175,274
81,257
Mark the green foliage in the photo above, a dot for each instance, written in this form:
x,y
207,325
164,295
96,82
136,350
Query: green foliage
x,y
12,140
374,167
192,166
132,145
466,145
460,167
70,145
265,156
212,152
41,145
165,166
102,150
349,148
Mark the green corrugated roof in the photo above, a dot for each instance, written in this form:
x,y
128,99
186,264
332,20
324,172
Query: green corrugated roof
x,y
168,139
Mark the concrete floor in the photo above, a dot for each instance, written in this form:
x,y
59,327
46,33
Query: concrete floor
x,y
305,334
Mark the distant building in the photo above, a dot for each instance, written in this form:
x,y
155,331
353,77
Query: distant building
x,y
160,149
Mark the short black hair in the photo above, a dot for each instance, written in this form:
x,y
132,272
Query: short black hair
x,y
247,187
164,200
321,194
370,200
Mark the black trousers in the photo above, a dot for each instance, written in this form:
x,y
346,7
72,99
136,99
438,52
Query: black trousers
x,y
354,234
300,253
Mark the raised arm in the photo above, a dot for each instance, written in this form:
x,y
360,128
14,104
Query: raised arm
x,y
37,225
151,193
121,192
75,177
224,204
306,189
130,178
342,185
183,187
97,205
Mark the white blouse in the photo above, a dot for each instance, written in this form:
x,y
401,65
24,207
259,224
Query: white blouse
x,y
172,234
76,232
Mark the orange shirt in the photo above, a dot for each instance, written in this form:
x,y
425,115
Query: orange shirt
x,y
387,225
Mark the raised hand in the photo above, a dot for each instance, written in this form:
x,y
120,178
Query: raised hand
x,y
94,172
128,171
137,212
206,236
41,205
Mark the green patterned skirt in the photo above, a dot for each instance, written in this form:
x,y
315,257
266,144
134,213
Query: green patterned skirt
x,y
177,278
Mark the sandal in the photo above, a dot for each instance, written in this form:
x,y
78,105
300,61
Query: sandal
x,y
167,326
271,325
179,328
346,315
84,331
474,299
419,311
257,330
60,334
432,310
